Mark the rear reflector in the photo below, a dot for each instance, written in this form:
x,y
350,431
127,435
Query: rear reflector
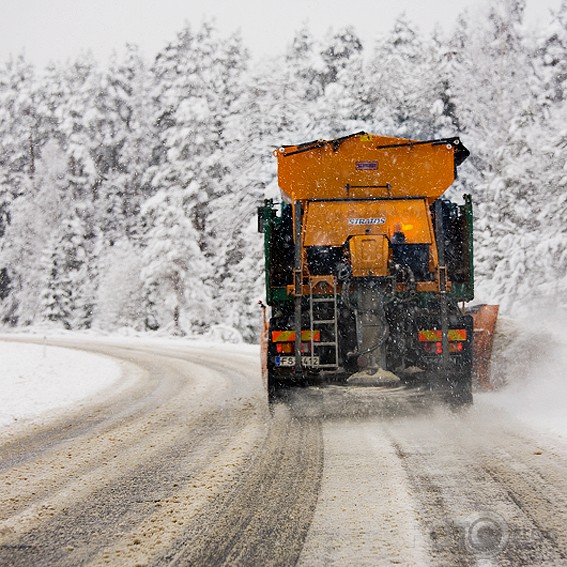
x,y
435,335
289,336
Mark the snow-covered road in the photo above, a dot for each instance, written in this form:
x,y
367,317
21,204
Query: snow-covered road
x,y
177,460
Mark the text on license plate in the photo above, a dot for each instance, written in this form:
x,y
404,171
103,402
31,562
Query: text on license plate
x,y
290,360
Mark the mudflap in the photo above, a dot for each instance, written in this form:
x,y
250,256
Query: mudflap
x,y
453,387
278,383
274,386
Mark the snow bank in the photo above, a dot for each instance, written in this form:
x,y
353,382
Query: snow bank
x,y
530,370
38,379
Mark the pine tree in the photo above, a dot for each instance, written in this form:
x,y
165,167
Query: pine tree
x,y
340,47
174,267
186,120
550,63
34,217
122,149
18,121
67,296
349,104
304,59
401,81
444,109
19,133
119,294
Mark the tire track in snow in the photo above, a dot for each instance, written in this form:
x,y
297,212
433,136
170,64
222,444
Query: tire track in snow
x,y
365,514
163,464
452,464
263,519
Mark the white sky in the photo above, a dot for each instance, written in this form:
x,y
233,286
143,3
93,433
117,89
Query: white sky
x,y
46,30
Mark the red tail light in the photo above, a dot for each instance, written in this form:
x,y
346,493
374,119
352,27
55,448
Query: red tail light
x,y
432,343
289,348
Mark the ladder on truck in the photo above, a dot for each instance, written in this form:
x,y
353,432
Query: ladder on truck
x,y
326,323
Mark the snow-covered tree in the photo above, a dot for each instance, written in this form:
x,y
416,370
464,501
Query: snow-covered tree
x,y
66,299
174,267
401,80
34,218
120,291
550,62
128,193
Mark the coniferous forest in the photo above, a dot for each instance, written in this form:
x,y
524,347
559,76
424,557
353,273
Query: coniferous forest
x,y
128,191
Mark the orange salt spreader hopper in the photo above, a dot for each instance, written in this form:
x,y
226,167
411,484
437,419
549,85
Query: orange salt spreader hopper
x,y
362,166
363,189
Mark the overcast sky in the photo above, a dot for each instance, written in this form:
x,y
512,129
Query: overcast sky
x,y
46,30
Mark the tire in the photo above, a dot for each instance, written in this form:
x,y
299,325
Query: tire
x,y
274,386
460,391
460,398
454,390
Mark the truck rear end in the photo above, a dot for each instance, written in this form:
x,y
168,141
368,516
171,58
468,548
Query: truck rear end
x,y
367,265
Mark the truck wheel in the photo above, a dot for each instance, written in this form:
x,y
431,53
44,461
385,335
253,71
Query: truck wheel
x,y
274,386
460,397
455,391
460,393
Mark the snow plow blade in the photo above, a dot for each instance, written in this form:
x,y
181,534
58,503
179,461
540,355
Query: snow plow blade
x,y
484,318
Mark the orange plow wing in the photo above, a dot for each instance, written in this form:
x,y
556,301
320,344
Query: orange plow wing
x,y
484,317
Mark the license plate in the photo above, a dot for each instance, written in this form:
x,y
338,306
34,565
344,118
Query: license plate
x,y
290,360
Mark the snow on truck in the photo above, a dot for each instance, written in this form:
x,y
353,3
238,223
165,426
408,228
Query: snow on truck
x,y
367,267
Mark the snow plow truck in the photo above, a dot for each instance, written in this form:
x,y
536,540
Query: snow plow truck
x,y
368,267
